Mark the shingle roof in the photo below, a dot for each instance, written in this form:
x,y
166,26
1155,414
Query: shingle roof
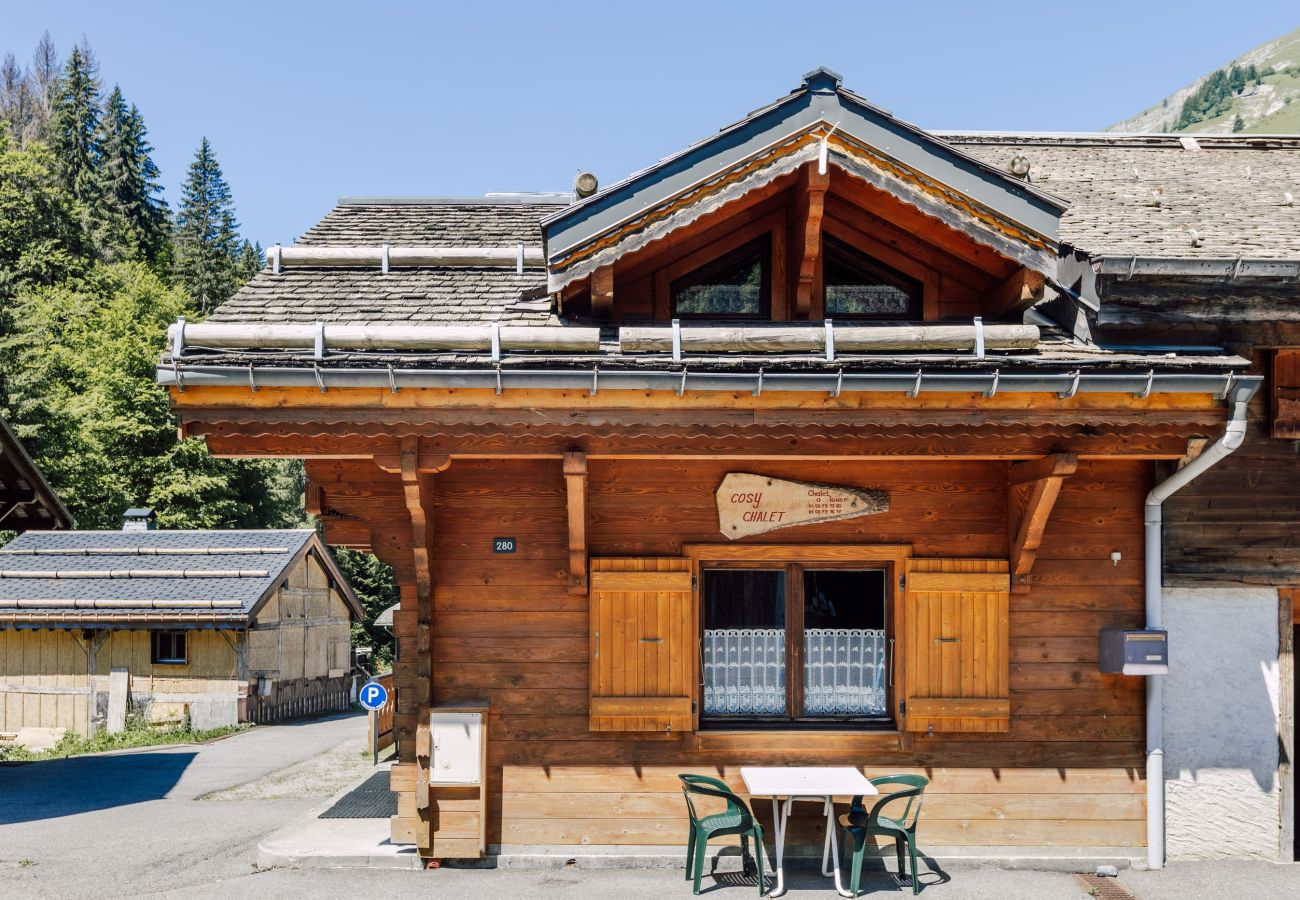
x,y
431,223
1143,196
77,569
1128,195
359,296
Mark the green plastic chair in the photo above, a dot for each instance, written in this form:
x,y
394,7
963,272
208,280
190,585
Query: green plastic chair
x,y
860,824
736,819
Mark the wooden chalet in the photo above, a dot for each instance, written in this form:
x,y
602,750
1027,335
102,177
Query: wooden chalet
x,y
799,446
213,627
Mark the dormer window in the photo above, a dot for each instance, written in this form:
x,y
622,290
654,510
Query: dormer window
x,y
733,286
859,287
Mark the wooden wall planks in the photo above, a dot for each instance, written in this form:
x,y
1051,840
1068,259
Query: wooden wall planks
x,y
1067,772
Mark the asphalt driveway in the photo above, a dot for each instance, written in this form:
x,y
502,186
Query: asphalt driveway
x,y
133,823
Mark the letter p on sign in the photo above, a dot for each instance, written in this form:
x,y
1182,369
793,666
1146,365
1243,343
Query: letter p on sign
x,y
373,696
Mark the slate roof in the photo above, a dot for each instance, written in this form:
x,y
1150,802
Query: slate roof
x,y
1128,195
1143,195
32,563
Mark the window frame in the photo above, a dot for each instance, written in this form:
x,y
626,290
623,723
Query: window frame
x,y
159,659
853,258
892,559
761,247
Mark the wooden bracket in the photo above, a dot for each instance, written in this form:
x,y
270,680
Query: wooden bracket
x,y
1038,482
1019,292
417,486
575,478
602,293
807,243
425,463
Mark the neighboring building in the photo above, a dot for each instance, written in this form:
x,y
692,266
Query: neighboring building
x,y
26,501
222,626
574,426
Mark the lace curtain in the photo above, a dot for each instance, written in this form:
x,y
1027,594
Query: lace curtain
x,y
845,671
744,671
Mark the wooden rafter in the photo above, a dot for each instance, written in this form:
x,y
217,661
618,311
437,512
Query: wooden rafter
x,y
1017,293
1041,479
575,479
810,204
602,292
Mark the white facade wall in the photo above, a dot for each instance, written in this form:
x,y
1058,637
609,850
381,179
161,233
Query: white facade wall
x,y
1221,723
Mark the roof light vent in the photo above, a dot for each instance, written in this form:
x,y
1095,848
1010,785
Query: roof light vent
x,y
585,184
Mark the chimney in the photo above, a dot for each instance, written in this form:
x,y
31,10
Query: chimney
x,y
139,519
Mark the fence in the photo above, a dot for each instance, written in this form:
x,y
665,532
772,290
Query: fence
x,y
381,720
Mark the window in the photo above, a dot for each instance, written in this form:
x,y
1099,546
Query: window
x,y
796,643
734,286
858,286
167,647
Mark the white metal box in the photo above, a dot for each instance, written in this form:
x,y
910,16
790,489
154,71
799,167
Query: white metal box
x,y
457,747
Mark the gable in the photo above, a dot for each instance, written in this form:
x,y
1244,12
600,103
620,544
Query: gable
x,y
818,124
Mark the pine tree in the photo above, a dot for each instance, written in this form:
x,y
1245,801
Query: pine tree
x,y
207,240
74,128
129,180
251,259
44,81
1238,124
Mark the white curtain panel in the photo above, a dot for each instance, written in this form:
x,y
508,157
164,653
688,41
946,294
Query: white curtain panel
x,y
844,671
744,671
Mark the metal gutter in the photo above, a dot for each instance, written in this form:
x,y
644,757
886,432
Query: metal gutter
x,y
1225,385
1229,268
1233,436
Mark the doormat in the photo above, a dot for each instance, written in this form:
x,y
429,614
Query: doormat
x,y
369,800
1103,888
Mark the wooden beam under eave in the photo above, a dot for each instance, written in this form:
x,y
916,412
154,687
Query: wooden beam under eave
x,y
575,479
602,293
807,244
1017,293
1042,479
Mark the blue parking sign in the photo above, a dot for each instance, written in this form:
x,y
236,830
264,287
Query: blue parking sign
x,y
373,695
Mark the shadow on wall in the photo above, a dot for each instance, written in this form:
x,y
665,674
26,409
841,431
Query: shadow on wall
x,y
65,787
1221,694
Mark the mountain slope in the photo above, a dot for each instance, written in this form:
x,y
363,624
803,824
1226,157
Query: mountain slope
x,y
1264,92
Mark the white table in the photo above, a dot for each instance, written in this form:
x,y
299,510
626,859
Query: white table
x,y
817,783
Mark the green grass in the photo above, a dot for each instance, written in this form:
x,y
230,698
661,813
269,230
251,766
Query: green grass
x,y
136,734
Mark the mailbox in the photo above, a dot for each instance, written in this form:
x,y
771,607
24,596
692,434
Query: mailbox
x,y
1135,651
456,750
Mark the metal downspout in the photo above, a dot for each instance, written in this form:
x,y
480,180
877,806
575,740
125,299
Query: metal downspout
x,y
1232,438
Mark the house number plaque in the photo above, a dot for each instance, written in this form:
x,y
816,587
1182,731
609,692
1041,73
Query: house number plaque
x,y
752,504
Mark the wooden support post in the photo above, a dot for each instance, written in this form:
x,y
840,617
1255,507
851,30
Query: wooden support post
x,y
806,246
575,478
1041,480
602,293
1019,292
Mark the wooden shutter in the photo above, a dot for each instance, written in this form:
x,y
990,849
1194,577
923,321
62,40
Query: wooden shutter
x,y
1286,394
641,647
956,645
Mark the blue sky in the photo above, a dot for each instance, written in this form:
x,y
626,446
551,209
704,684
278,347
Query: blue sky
x,y
304,102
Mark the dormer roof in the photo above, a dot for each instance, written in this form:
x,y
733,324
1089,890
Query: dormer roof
x,y
819,117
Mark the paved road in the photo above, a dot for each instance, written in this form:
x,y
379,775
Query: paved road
x,y
131,824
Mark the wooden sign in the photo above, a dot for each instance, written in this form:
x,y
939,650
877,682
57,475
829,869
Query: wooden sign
x,y
752,504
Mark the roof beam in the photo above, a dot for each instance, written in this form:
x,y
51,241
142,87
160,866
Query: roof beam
x,y
602,293
575,480
810,205
1017,293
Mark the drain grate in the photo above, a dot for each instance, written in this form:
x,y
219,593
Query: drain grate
x,y
1103,888
369,800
